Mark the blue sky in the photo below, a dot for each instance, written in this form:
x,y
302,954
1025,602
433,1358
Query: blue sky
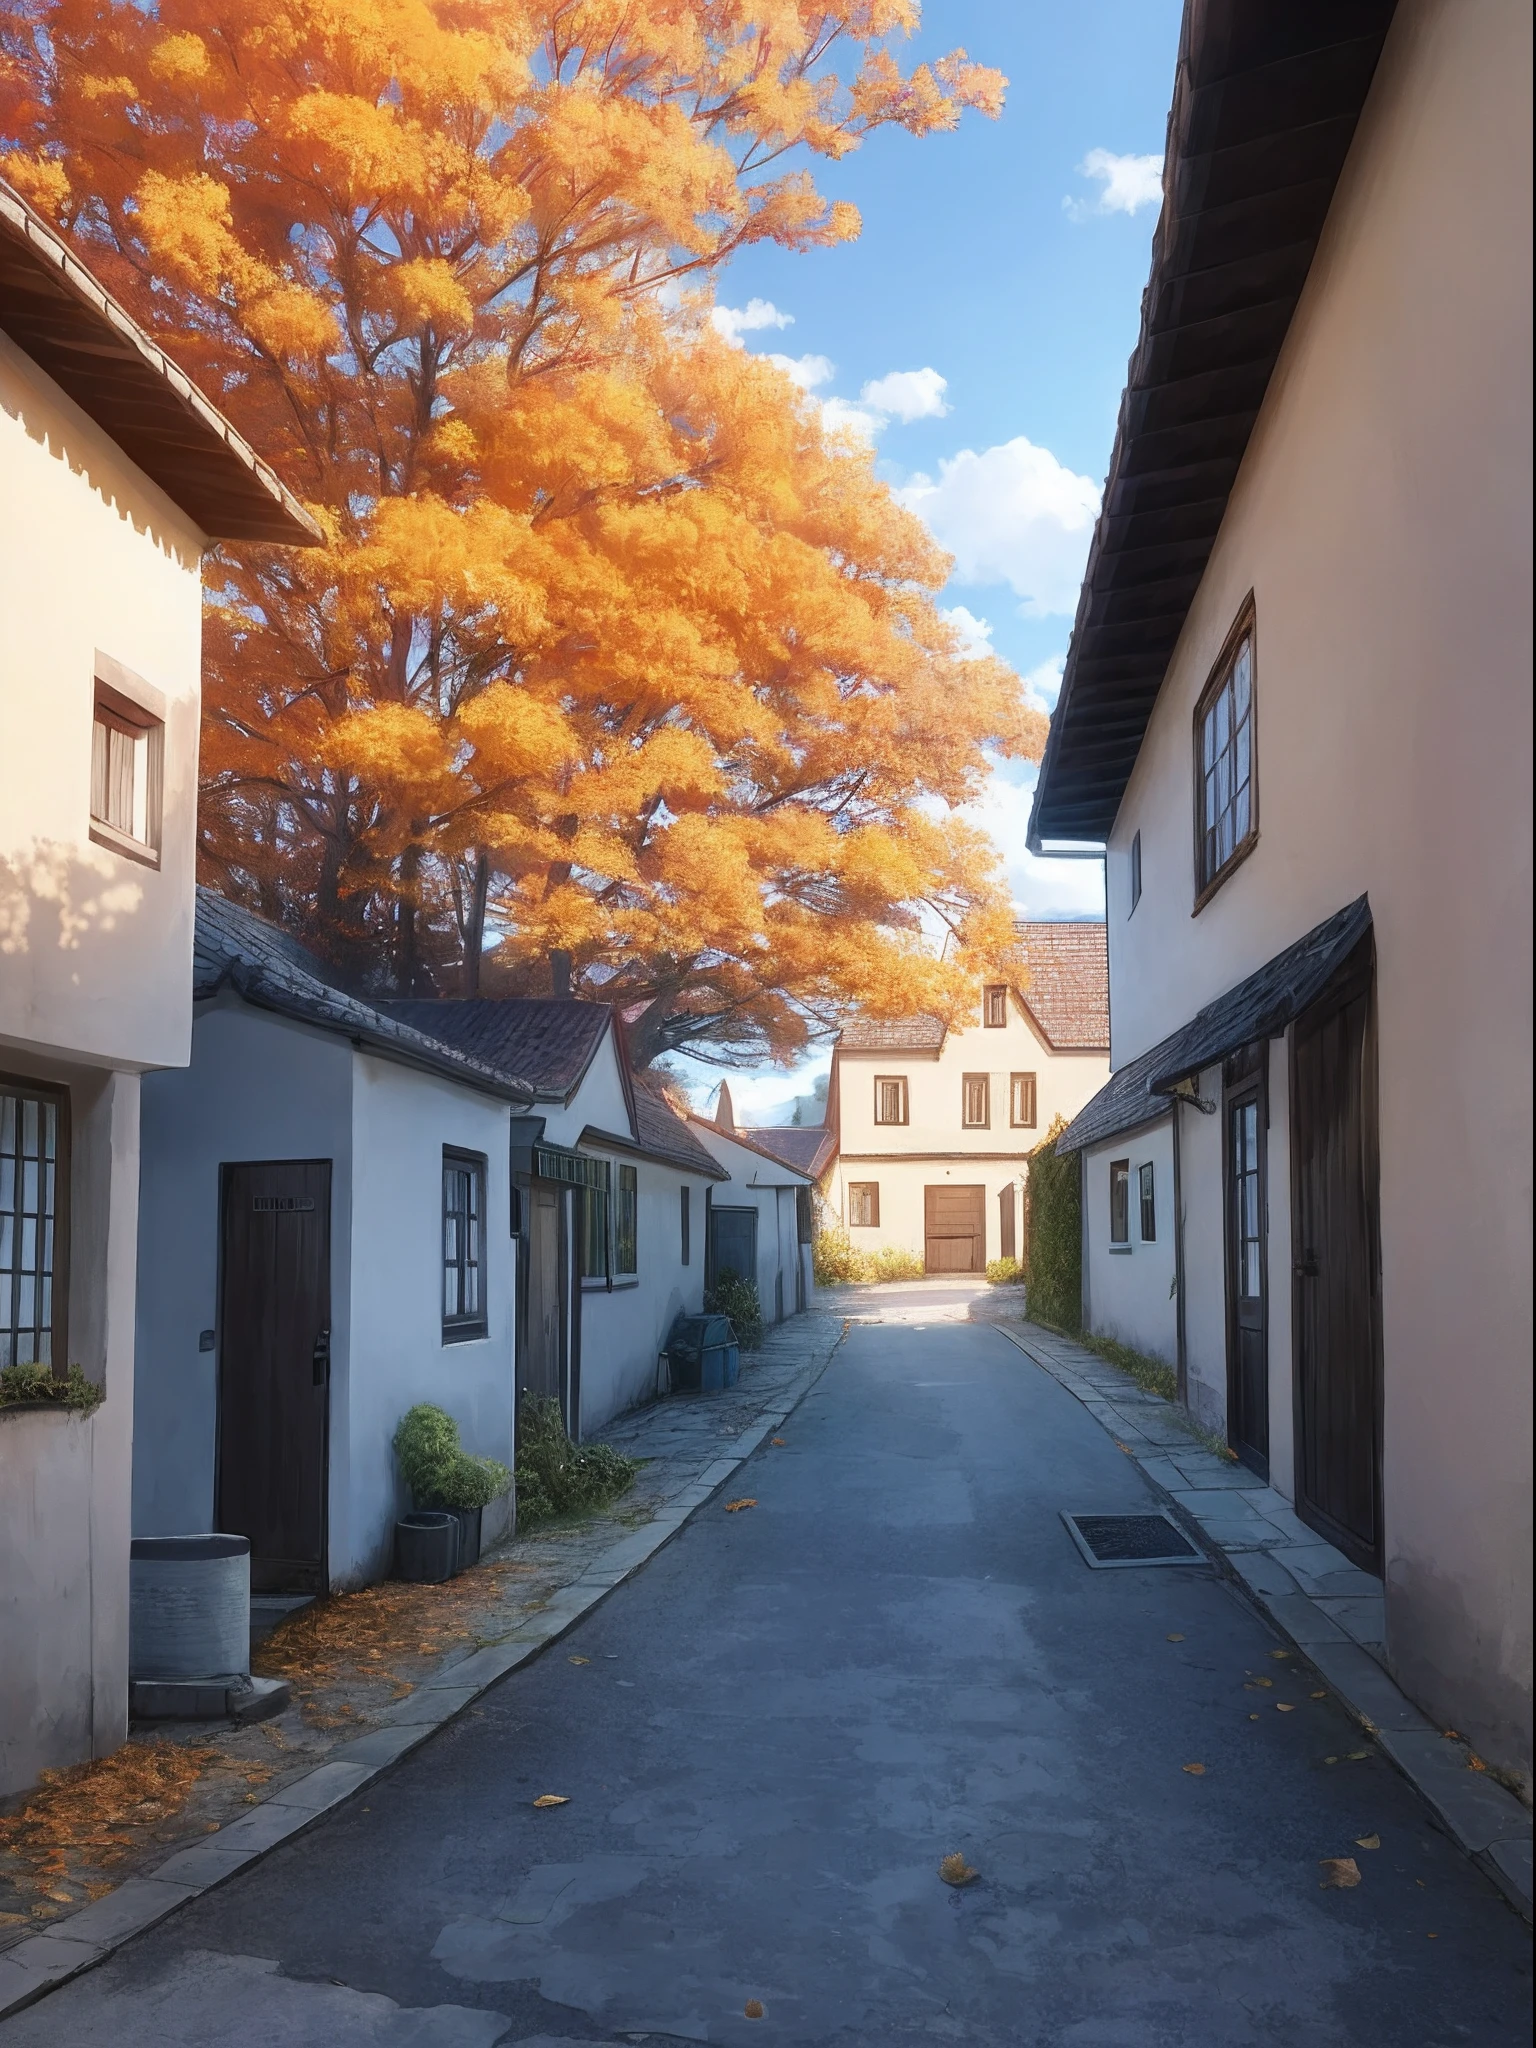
x,y
992,260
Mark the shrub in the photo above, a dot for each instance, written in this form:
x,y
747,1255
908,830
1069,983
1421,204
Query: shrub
x,y
834,1259
1053,1241
737,1298
1005,1272
1152,1375
438,1470
556,1477
893,1263
20,1384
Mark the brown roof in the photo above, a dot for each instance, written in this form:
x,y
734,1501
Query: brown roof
x,y
665,1135
549,1040
899,1034
1068,985
55,312
806,1147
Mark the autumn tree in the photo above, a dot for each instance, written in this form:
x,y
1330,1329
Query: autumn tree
x,y
612,649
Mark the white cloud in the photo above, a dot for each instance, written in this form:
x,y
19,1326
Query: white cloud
x,y
844,416
1126,184
1040,888
907,395
1011,514
806,371
734,321
975,634
1042,686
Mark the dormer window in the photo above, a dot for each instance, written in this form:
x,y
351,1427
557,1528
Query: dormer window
x,y
1226,809
995,1006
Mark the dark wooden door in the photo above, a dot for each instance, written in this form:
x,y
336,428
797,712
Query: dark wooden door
x,y
541,1369
1247,1305
1336,1266
955,1229
733,1243
274,1368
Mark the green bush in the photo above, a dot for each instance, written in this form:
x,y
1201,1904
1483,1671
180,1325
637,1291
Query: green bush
x,y
23,1383
556,1477
834,1259
438,1470
1005,1272
893,1263
1053,1241
737,1298
1152,1375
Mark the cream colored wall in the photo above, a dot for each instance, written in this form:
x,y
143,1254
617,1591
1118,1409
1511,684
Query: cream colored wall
x,y
1382,519
95,948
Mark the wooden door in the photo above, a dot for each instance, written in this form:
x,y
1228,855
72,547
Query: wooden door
x,y
1335,1239
1247,1304
1007,1235
733,1243
541,1368
955,1229
274,1369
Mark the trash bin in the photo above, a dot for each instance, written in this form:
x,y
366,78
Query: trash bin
x,y
427,1547
702,1354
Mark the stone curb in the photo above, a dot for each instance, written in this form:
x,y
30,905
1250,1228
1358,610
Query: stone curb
x,y
42,1962
1484,1819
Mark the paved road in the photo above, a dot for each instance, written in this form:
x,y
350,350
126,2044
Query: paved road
x,y
786,1721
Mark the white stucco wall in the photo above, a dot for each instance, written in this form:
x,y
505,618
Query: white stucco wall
x,y
95,948
757,1182
1382,519
624,1329
1130,1287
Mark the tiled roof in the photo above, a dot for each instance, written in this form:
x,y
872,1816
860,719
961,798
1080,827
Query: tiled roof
x,y
234,948
1260,1007
900,1034
665,1135
549,1041
1068,983
806,1147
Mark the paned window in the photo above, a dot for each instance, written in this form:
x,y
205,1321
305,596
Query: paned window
x,y
626,1221
686,1213
1135,869
34,1180
1246,1228
1021,1101
864,1204
463,1246
592,1205
890,1098
1226,823
127,757
1146,1179
975,1101
995,1013
1119,1201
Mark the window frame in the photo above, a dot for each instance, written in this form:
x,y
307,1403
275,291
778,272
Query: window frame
x,y
594,1228
23,1088
123,702
984,1083
1244,628
899,1082
1032,1121
870,1188
1136,853
1146,1200
627,1186
461,1326
1120,1205
998,989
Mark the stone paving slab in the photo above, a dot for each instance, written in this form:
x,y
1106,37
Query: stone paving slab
x,y
1331,1610
691,1445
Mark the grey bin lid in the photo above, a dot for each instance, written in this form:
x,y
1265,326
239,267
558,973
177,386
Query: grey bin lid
x,y
187,1549
691,1335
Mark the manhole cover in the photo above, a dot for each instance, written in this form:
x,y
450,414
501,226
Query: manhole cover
x,y
1110,1540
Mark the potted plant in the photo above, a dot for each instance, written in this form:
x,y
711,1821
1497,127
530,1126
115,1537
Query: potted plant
x,y
443,1476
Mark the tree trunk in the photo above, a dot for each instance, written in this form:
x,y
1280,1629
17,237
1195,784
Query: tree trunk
x,y
474,925
407,953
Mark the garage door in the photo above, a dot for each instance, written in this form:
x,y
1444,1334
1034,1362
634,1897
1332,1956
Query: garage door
x,y
955,1230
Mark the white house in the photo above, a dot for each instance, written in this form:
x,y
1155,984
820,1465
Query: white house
x,y
115,475
326,1237
1296,722
934,1123
760,1216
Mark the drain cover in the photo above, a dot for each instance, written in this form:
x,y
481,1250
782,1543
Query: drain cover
x,y
1110,1540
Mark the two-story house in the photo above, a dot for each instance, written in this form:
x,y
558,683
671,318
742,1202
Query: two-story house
x,y
115,475
934,1123
1296,718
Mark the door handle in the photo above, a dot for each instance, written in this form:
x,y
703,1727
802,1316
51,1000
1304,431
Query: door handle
x,y
320,1358
1305,1267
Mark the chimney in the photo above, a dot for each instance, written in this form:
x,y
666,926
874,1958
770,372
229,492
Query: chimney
x,y
560,975
725,1116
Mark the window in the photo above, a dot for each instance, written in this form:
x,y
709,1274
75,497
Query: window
x,y
1226,822
1146,1178
34,1224
127,763
975,1102
1120,1201
890,1098
463,1246
995,1012
592,1201
864,1204
1135,869
1021,1101
687,1222
626,1219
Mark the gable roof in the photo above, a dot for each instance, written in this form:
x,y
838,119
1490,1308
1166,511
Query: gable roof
x,y
1260,1007
549,1040
233,948
1068,985
748,1141
1266,97
805,1147
663,1134
55,311
920,1034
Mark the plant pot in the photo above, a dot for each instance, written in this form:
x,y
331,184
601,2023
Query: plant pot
x,y
468,1520
498,1520
189,1606
427,1547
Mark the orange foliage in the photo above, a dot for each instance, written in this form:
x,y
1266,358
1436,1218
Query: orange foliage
x,y
83,1816
612,648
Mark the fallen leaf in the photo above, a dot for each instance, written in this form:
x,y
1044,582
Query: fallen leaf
x,y
777,1440
1367,1841
1450,1735
1356,1756
1319,1695
1284,1707
1282,1654
955,1870
1431,1937
1330,1759
1421,1884
1475,1763
1195,1770
754,2009
734,1507
13,1920
552,1799
1253,1717
211,1827
578,1660
1340,1873
1259,1685
1175,1639
61,1898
